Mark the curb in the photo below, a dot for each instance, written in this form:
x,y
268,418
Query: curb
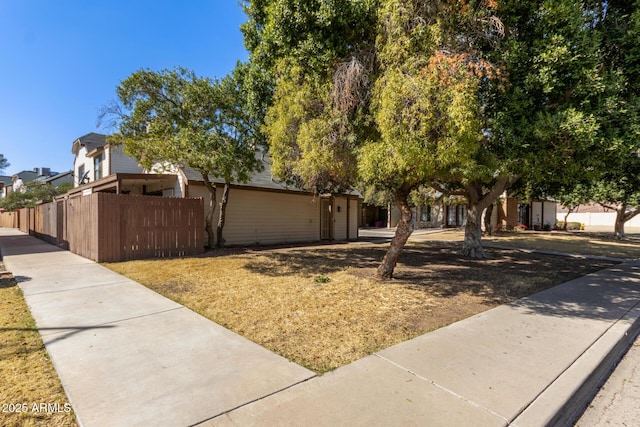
x,y
563,401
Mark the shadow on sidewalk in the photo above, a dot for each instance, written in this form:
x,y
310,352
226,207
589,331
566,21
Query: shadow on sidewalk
x,y
70,331
604,295
24,245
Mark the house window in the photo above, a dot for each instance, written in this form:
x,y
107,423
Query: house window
x,y
98,161
462,215
81,178
425,213
451,217
524,214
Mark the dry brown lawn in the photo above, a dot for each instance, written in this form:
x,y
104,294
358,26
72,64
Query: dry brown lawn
x,y
321,306
27,377
584,243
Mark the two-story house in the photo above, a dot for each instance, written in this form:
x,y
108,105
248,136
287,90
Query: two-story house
x,y
261,211
95,159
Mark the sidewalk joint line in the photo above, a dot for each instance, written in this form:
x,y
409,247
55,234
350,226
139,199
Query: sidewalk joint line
x,y
77,289
180,307
433,383
228,411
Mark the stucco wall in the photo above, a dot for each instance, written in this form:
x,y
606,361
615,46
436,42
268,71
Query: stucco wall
x,y
597,219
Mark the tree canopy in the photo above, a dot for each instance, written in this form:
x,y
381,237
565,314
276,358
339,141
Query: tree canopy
x,y
617,183
606,170
35,192
465,96
174,118
4,163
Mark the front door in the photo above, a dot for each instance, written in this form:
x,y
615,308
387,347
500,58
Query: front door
x,y
325,219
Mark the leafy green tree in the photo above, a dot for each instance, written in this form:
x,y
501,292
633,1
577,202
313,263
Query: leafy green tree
x,y
36,192
609,173
366,94
540,121
618,184
173,117
4,163
425,103
573,196
467,96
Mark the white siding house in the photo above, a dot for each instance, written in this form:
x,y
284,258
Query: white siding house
x,y
95,159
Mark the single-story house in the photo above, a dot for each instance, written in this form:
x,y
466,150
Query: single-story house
x,y
509,213
261,211
436,215
535,215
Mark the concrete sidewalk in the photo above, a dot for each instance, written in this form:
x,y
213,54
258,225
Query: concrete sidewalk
x,y
531,363
127,356
130,357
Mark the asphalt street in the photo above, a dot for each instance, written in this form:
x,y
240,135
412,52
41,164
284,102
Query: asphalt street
x,y
618,401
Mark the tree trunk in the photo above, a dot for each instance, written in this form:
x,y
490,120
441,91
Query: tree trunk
x,y
488,229
472,245
620,220
566,218
222,217
477,201
403,231
208,219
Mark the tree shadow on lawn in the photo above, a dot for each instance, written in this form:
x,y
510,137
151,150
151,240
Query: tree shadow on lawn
x,y
318,260
435,267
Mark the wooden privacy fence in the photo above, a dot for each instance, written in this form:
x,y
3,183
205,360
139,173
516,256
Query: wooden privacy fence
x,y
110,227
26,219
9,219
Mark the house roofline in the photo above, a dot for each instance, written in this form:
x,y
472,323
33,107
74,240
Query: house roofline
x,y
114,182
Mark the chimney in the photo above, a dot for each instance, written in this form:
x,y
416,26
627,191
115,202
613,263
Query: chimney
x,y
37,171
46,171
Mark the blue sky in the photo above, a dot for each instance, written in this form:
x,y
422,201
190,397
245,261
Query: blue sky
x,y
62,60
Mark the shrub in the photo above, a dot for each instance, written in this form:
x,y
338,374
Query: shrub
x,y
570,225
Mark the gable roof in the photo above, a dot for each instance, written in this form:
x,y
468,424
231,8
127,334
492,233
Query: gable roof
x,y
262,179
90,141
58,176
26,176
6,180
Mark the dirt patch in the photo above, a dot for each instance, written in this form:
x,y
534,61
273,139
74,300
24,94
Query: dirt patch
x,y
321,306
